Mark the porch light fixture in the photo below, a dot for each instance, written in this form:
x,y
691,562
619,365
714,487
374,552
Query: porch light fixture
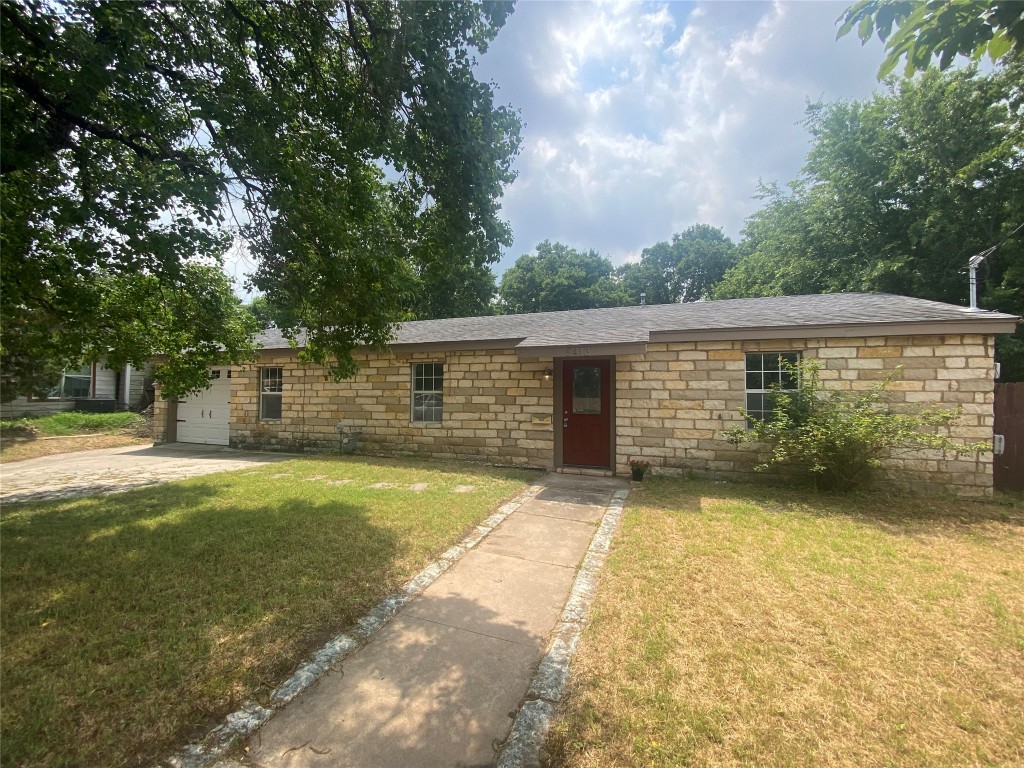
x,y
547,374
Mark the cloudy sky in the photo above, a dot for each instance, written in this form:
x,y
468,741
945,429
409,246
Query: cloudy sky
x,y
642,118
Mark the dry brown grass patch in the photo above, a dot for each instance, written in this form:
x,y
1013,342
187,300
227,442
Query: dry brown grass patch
x,y
11,450
750,626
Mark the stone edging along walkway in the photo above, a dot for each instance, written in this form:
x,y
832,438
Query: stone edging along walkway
x,y
536,713
525,740
244,722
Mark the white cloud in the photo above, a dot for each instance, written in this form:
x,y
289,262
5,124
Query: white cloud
x,y
642,119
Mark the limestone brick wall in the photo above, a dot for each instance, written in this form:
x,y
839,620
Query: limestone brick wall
x,y
674,402
159,415
496,408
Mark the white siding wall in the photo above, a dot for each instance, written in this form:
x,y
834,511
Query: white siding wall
x,y
21,406
132,388
108,384
104,382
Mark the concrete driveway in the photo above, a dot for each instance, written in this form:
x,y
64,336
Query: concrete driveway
x,y
108,470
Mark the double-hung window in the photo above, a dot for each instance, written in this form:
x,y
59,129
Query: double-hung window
x,y
271,387
768,373
427,393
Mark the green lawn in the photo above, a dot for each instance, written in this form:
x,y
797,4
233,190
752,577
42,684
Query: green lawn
x,y
748,626
132,623
73,423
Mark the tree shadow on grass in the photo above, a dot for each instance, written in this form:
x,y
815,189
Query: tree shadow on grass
x,y
905,514
133,622
214,452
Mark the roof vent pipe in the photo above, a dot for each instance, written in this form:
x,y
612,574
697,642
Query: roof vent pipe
x,y
972,266
643,299
975,261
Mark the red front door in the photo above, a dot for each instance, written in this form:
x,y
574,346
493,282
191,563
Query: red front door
x,y
586,413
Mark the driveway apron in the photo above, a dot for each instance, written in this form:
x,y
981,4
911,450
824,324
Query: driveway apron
x,y
107,470
440,684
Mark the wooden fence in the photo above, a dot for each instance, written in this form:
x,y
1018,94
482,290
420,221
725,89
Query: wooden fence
x,y
1008,467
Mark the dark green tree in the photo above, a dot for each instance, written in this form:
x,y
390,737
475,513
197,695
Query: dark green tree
x,y
453,289
897,193
558,277
347,143
922,30
197,315
684,270
265,314
792,246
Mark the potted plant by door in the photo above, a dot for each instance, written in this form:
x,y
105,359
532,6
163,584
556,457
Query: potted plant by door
x,y
638,468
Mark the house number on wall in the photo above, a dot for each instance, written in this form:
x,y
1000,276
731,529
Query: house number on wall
x,y
577,351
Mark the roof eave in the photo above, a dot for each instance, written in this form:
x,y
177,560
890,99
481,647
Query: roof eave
x,y
453,346
981,325
583,350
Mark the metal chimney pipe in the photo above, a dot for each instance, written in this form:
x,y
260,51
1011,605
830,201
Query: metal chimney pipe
x,y
643,299
972,267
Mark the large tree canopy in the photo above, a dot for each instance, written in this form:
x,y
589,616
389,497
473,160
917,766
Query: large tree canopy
x,y
357,154
898,192
922,30
556,278
684,270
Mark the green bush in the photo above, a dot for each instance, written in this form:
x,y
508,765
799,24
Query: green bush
x,y
839,438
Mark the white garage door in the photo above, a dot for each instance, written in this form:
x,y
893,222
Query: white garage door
x,y
203,418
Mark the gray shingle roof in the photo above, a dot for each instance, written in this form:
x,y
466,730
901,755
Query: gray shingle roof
x,y
626,325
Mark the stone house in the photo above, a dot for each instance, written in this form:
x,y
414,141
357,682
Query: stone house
x,y
594,388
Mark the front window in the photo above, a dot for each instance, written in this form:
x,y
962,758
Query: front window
x,y
428,393
73,384
271,387
768,373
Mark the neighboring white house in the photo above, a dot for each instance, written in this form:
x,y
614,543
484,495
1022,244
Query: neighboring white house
x,y
93,387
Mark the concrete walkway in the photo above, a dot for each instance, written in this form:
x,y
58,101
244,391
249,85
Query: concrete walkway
x,y
440,684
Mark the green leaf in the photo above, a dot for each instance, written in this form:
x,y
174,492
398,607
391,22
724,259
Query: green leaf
x,y
888,65
865,28
999,46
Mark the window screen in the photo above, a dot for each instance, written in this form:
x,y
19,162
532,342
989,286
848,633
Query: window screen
x,y
428,393
271,387
767,374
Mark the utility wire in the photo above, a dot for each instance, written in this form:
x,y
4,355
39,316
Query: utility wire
x,y
977,258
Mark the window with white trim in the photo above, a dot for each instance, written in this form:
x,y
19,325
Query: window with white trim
x,y
768,374
271,387
427,393
73,384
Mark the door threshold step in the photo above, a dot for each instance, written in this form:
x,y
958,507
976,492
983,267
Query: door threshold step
x,y
589,471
